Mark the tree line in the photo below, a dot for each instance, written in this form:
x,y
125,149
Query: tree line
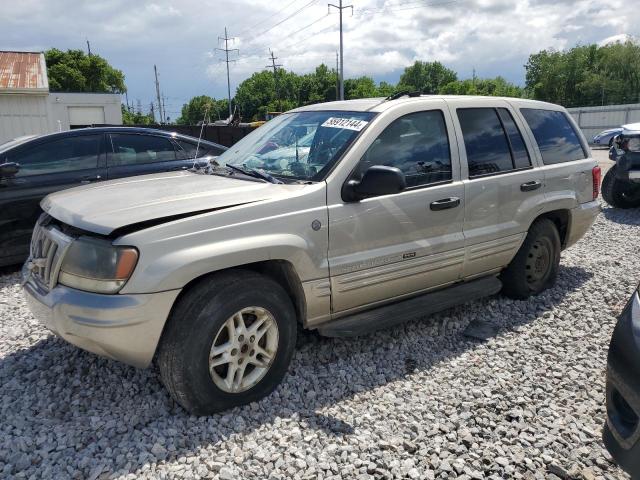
x,y
585,75
265,91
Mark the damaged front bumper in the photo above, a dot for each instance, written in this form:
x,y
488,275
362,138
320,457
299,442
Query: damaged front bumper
x,y
126,328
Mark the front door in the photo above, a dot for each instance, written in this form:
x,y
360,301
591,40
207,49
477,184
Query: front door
x,y
387,247
503,189
46,166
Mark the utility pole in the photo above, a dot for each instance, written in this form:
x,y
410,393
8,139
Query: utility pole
x,y
88,47
275,76
164,110
337,78
226,51
153,112
340,8
155,70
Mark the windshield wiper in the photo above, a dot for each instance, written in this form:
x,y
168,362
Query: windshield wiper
x,y
252,172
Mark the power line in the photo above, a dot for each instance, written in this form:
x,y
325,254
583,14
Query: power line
x,y
292,35
306,5
340,7
275,77
312,36
268,17
407,6
226,51
307,26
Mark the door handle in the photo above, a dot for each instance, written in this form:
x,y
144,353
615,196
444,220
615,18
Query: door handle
x,y
445,203
89,179
530,186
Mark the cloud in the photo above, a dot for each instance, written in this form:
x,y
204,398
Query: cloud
x,y
494,37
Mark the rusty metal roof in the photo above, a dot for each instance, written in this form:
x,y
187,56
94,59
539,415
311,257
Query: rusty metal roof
x,y
23,72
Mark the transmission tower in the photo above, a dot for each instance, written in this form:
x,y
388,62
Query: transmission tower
x,y
226,51
275,66
340,8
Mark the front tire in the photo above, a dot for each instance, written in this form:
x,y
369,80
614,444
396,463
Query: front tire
x,y
619,193
535,266
228,342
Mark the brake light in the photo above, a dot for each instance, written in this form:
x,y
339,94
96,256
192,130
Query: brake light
x,y
596,174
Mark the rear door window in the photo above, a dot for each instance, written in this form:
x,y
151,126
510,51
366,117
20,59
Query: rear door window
x,y
556,138
485,141
131,149
521,158
64,155
492,141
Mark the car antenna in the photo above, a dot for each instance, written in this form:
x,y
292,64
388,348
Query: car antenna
x,y
404,93
204,120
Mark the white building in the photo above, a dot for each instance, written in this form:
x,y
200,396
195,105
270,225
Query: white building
x,y
27,107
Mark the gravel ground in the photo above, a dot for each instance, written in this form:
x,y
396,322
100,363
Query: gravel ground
x,y
419,401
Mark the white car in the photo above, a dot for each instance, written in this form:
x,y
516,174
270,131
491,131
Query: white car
x,y
606,136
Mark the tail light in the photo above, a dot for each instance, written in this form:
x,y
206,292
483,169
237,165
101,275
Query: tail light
x,y
596,174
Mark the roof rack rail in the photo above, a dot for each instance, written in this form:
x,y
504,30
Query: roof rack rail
x,y
404,93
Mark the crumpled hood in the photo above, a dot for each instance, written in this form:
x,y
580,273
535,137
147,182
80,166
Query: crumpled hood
x,y
106,206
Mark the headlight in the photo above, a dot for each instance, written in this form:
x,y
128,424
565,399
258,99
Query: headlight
x,y
96,265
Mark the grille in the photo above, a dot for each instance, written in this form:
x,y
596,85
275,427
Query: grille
x,y
48,245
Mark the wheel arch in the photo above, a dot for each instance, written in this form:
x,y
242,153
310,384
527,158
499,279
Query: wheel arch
x,y
561,219
281,271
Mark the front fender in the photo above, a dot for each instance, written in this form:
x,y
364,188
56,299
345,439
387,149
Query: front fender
x,y
293,229
174,269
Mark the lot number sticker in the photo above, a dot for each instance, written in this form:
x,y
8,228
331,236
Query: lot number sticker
x,y
348,123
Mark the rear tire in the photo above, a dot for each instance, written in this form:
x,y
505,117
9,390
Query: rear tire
x,y
619,193
535,266
211,358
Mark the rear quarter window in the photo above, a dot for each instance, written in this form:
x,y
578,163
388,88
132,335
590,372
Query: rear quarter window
x,y
557,140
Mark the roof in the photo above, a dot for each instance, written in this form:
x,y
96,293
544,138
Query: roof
x,y
23,72
381,104
93,130
631,128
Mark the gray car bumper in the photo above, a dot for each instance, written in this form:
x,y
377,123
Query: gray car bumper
x,y
121,327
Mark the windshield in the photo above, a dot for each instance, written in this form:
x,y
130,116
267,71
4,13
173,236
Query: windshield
x,y
301,146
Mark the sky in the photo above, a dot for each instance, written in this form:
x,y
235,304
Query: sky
x,y
381,37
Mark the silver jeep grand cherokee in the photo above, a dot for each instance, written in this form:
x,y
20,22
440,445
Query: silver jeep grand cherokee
x,y
343,217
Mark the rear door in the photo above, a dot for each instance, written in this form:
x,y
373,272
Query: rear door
x,y
503,189
46,166
138,154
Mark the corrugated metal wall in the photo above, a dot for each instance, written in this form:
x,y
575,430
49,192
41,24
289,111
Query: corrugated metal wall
x,y
22,115
593,120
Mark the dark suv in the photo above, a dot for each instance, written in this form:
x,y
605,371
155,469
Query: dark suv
x,y
32,167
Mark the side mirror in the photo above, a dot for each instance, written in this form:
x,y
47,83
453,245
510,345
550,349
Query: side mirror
x,y
9,169
377,180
